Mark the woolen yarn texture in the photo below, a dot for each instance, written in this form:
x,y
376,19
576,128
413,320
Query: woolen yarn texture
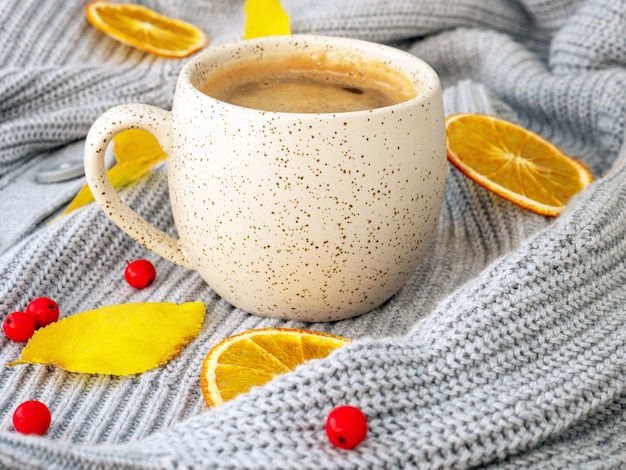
x,y
505,349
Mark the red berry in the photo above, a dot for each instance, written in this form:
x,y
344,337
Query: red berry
x,y
43,310
32,417
19,326
346,426
140,273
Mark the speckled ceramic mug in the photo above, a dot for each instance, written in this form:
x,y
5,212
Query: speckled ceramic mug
x,y
314,217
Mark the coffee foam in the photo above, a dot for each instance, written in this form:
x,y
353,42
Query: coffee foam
x,y
321,81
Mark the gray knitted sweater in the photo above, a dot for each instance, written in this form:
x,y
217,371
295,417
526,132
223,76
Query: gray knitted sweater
x,y
506,349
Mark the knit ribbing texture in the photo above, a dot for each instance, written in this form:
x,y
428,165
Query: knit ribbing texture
x,y
504,350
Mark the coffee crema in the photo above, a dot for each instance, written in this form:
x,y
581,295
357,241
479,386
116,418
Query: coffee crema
x,y
309,83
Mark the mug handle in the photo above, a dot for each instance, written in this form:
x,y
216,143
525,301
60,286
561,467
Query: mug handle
x,y
158,122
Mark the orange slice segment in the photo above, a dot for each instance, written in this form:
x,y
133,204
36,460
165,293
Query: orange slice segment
x,y
514,163
255,357
145,29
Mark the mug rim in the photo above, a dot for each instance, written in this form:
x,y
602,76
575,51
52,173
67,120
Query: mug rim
x,y
429,81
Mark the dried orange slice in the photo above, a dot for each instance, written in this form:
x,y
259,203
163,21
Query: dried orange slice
x,y
255,357
146,29
514,163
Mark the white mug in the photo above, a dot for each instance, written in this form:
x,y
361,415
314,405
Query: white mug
x,y
313,217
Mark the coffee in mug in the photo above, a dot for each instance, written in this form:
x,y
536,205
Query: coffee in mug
x,y
309,83
310,213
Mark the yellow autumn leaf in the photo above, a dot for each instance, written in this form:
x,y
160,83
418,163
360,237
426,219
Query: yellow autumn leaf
x,y
136,151
265,18
136,144
121,339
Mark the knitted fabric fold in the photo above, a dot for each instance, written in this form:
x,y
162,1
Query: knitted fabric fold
x,y
505,349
